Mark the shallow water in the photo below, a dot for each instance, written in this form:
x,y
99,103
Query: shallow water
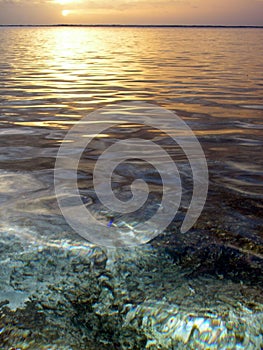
x,y
51,77
212,78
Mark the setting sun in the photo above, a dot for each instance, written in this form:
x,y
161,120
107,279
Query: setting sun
x,y
65,13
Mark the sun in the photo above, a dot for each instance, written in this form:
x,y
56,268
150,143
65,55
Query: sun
x,y
65,13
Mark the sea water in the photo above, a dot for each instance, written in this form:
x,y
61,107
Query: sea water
x,y
52,77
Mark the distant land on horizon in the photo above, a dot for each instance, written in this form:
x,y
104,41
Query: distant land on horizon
x,y
135,25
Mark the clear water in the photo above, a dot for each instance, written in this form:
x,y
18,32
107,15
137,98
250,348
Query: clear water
x,y
212,78
51,77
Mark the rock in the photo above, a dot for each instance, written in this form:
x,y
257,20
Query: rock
x,y
80,296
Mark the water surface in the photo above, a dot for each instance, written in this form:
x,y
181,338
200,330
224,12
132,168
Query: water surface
x,y
212,78
211,277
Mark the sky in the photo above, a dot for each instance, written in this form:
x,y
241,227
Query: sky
x,y
223,12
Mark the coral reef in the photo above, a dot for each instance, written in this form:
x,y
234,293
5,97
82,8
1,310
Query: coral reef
x,y
73,295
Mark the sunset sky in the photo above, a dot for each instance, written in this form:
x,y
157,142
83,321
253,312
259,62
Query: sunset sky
x,y
225,12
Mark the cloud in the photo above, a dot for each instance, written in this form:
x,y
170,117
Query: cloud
x,y
22,2
99,4
133,11
123,5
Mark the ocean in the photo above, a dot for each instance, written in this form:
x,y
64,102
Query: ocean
x,y
172,290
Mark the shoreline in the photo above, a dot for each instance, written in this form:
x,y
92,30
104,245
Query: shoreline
x,y
137,26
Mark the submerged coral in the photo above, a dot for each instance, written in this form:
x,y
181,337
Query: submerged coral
x,y
168,327
79,296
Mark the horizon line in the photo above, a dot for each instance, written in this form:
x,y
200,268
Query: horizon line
x,y
136,25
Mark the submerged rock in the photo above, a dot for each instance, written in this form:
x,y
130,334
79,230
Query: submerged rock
x,y
80,296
